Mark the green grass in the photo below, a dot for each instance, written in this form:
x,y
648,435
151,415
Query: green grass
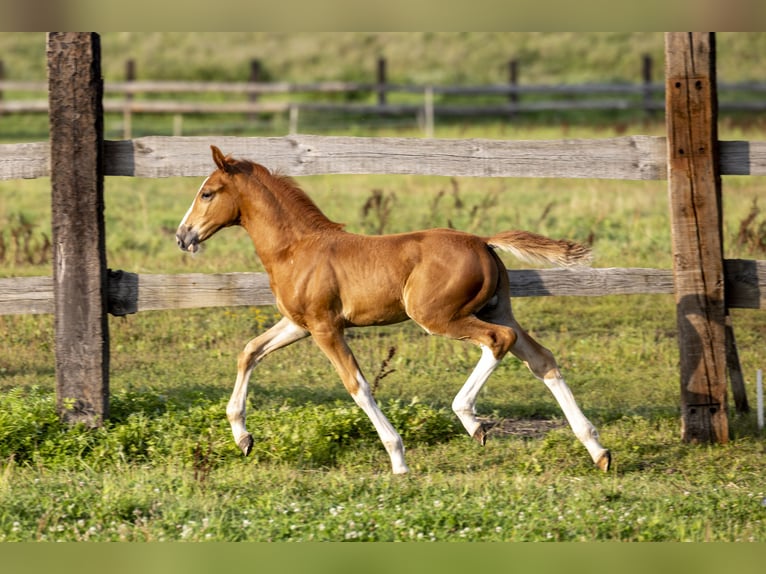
x,y
511,490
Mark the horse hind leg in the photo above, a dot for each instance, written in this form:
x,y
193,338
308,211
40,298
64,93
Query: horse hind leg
x,y
280,335
542,364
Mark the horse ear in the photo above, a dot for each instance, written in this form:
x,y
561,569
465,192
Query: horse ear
x,y
219,158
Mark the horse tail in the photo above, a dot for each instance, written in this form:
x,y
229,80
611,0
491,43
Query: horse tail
x,y
534,248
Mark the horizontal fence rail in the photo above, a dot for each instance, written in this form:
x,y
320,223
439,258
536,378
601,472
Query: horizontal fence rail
x,y
131,293
168,107
120,97
629,157
114,90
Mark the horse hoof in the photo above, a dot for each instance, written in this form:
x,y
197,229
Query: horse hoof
x,y
482,432
604,462
245,444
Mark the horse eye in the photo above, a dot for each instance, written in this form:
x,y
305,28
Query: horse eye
x,y
206,195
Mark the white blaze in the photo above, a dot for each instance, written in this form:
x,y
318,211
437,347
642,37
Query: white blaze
x,y
188,212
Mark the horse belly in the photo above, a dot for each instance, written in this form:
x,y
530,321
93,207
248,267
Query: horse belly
x,y
373,305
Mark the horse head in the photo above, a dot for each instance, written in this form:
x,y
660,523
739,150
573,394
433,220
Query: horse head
x,y
215,206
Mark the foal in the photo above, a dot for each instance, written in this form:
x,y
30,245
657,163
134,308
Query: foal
x,y
326,280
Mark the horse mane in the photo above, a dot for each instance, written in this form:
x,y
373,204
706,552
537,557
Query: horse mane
x,y
289,194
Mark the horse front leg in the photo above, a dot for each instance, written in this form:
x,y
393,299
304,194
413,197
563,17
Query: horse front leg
x,y
334,346
280,335
464,404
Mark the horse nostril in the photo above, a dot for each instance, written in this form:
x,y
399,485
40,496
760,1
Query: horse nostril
x,y
187,240
180,241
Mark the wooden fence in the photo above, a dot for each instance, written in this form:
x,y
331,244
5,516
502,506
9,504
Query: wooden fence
x,y
372,98
690,158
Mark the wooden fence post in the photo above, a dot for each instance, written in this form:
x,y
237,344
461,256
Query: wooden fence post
x,y
127,117
254,78
647,65
77,210
513,81
695,205
382,80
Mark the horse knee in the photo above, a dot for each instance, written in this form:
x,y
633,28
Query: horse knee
x,y
248,358
543,364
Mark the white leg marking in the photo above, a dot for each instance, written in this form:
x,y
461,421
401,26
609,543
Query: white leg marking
x,y
387,433
236,408
280,335
464,403
542,364
581,426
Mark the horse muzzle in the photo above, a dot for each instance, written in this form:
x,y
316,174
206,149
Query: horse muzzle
x,y
187,239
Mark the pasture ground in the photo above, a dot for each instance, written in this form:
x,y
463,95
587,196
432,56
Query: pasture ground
x,y
165,468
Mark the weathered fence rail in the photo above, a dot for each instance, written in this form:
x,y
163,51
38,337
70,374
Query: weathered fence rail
x,y
119,96
629,157
132,293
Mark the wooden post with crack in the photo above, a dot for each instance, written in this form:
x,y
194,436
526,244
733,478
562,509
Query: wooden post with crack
x,y
75,90
695,206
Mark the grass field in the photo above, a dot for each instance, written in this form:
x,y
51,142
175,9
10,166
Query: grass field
x,y
165,468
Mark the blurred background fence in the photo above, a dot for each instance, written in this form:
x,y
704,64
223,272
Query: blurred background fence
x,y
312,103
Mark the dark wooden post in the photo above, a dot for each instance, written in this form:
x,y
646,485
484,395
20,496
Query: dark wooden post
x,y
127,116
130,72
2,77
79,261
381,81
646,76
255,77
513,80
695,206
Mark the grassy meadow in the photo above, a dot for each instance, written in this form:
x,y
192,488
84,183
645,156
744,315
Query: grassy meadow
x,y
164,466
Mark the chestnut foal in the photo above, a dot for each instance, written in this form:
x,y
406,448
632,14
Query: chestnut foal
x,y
325,280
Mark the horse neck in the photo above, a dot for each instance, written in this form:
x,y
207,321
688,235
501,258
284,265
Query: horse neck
x,y
277,214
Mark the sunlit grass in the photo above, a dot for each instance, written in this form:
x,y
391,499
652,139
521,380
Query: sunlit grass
x,y
512,490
